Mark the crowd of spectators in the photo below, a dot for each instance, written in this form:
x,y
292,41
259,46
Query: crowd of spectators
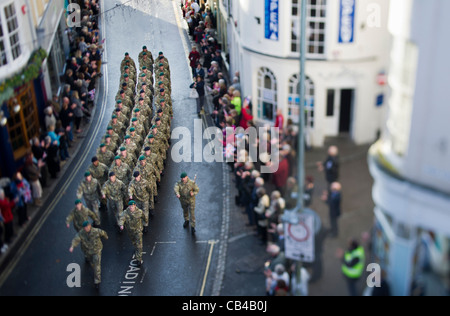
x,y
64,118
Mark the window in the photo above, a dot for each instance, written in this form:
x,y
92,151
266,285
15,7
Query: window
x,y
13,30
294,101
267,94
3,58
316,27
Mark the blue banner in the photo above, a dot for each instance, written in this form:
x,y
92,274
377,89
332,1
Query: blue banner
x,y
272,21
347,21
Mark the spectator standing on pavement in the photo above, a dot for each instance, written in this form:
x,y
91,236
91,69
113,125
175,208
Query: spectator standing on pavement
x,y
32,173
353,262
260,210
6,207
330,166
333,199
21,191
199,85
194,58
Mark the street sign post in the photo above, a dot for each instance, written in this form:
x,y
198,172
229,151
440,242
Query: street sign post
x,y
299,239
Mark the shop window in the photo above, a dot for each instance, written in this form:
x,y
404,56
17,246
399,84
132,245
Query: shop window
x,y
23,125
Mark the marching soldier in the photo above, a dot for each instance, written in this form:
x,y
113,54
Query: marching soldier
x,y
110,146
149,54
115,191
90,190
134,219
136,139
131,148
141,119
124,100
162,59
92,246
79,215
118,126
146,61
104,155
149,90
162,78
121,117
139,190
152,159
126,78
98,171
122,170
161,142
130,72
145,108
148,173
126,158
127,61
148,75
186,190
137,127
113,135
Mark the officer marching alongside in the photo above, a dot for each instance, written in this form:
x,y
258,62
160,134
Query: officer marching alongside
x,y
186,191
92,246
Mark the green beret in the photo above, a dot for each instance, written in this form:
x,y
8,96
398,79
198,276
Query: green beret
x,y
160,83
87,173
117,158
109,128
125,75
119,101
132,129
126,67
122,149
154,126
107,136
141,158
127,137
78,202
142,75
134,119
144,67
183,175
86,224
151,136
102,145
161,74
126,54
162,100
131,203
137,110
144,47
161,65
114,116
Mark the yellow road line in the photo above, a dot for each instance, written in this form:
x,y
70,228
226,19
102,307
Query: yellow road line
x,y
208,264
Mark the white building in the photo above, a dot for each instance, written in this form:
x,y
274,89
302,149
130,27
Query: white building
x,y
347,53
410,162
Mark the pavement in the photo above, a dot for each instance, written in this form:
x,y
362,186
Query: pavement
x,y
246,256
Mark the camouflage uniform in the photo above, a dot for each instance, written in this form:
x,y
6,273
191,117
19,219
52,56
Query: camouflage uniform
x,y
147,173
78,217
187,201
99,172
157,164
91,245
134,221
142,194
123,172
116,193
91,192
106,157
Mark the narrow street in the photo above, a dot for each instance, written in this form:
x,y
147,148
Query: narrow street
x,y
175,262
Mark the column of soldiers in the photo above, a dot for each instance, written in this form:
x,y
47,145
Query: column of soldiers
x,y
130,161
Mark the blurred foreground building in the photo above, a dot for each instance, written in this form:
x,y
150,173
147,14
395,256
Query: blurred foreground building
x,y
410,164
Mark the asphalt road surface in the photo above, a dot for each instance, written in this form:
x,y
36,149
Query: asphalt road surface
x,y
175,262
